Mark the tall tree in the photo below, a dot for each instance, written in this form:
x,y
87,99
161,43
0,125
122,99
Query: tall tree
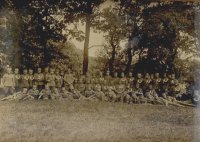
x,y
83,11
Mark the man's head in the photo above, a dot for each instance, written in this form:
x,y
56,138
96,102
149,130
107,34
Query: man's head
x,y
173,76
130,74
9,70
107,73
34,87
122,74
176,82
46,87
63,89
69,71
57,72
39,70
54,89
115,75
164,95
147,75
139,75
157,75
52,71
30,71
109,88
71,88
89,87
137,86
87,74
24,90
25,71
62,72
100,74
16,71
152,76
46,70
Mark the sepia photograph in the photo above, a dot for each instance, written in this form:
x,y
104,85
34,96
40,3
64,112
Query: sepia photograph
x,y
99,71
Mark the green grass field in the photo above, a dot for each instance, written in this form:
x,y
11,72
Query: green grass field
x,y
86,121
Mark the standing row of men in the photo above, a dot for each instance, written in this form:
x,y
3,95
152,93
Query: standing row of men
x,y
14,81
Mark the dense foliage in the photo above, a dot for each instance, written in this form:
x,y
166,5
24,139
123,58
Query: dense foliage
x,y
156,34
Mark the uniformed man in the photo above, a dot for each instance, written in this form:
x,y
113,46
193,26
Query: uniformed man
x,y
152,96
46,76
20,95
101,78
62,74
88,78
31,78
17,79
45,93
51,79
75,94
76,84
138,95
165,84
115,79
177,92
26,95
146,83
81,86
168,100
55,94
123,80
128,95
34,92
66,94
110,94
39,79
58,79
95,80
89,92
82,78
152,76
115,83
157,84
99,95
8,81
104,88
69,79
139,80
107,78
134,93
24,82
120,92
131,79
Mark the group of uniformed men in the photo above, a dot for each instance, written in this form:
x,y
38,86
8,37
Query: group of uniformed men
x,y
54,84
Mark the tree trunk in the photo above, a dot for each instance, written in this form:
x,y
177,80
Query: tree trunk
x,y
128,65
86,44
112,60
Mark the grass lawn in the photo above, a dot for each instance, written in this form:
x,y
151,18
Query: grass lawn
x,y
86,121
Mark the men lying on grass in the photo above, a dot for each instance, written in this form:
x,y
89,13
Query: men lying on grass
x,y
21,95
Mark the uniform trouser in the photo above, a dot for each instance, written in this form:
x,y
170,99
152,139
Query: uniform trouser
x,y
67,87
17,88
9,90
40,85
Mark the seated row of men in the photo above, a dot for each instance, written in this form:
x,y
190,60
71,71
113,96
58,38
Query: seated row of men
x,y
92,93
